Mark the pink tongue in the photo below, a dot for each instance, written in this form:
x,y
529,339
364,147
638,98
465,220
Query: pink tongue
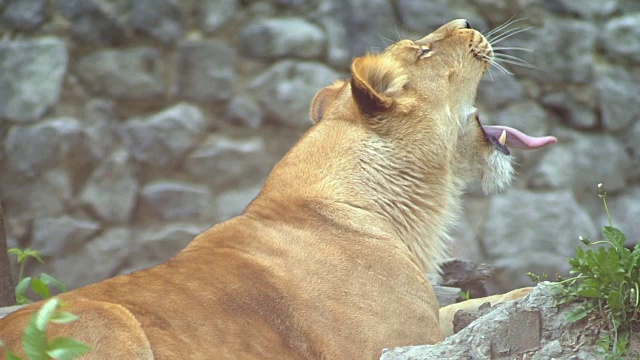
x,y
519,140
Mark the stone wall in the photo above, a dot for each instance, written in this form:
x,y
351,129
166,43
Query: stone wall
x,y
127,127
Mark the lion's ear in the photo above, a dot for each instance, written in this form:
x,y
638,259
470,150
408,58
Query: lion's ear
x,y
323,99
375,83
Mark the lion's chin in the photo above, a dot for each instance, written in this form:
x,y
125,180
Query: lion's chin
x,y
499,173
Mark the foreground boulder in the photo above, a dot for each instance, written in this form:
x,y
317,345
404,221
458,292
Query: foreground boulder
x,y
531,328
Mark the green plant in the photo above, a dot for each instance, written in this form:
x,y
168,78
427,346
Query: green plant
x,y
40,284
34,340
606,280
464,295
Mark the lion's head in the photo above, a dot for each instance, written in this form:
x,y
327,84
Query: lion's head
x,y
405,137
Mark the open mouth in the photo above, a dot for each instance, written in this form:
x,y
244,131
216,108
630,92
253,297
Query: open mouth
x,y
504,136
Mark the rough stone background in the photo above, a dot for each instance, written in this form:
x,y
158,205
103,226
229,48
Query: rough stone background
x,y
127,127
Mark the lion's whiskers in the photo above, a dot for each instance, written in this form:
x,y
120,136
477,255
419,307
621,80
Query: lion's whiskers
x,y
510,59
494,62
501,33
515,48
508,23
491,75
509,33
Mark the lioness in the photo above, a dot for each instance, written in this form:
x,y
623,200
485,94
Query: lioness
x,y
329,260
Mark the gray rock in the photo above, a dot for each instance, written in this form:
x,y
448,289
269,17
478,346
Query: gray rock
x,y
551,350
95,21
224,161
233,202
585,9
244,111
285,90
564,51
423,17
371,25
55,236
96,260
57,140
111,190
282,37
579,162
216,13
628,6
570,110
528,328
621,37
165,137
31,74
619,97
24,14
546,224
172,200
206,71
99,126
498,11
163,20
299,6
155,245
355,26
499,90
43,196
632,142
333,17
130,74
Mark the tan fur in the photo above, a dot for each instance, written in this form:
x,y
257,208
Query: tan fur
x,y
329,261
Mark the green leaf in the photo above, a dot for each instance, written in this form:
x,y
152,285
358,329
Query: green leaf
x,y
14,251
22,300
63,348
589,292
604,343
23,285
51,281
579,312
34,254
63,317
40,288
34,341
613,300
45,313
9,355
614,235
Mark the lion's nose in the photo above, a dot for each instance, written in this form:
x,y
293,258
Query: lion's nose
x,y
457,24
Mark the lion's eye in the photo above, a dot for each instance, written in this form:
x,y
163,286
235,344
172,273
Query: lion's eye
x,y
425,52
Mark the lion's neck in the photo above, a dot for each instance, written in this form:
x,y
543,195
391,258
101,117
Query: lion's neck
x,y
417,205
421,203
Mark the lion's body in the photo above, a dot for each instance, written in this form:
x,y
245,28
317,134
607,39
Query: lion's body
x,y
329,261
235,293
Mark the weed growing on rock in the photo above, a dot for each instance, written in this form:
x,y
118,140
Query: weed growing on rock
x,y
607,282
41,284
